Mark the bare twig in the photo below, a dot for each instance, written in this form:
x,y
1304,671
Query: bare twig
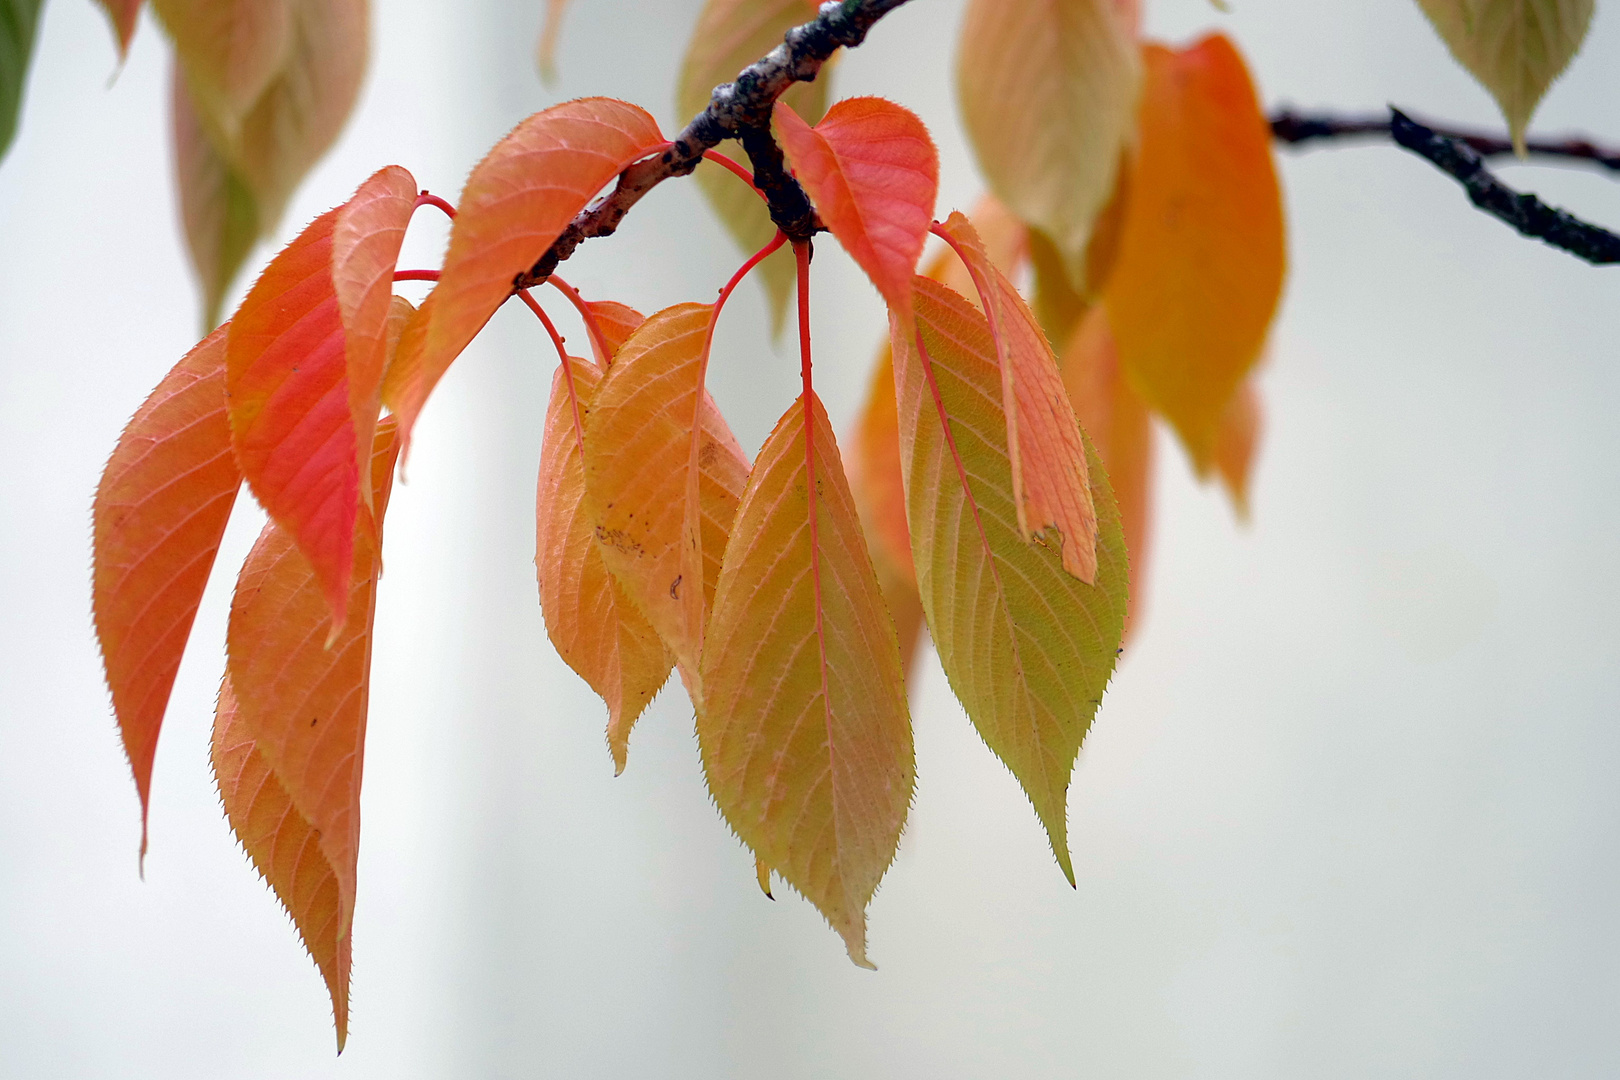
x,y
737,110
1296,128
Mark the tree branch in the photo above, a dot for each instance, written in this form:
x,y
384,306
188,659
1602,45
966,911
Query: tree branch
x,y
737,110
1461,156
1288,126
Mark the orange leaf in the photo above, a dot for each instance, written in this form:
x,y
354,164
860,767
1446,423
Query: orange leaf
x,y
285,379
1201,253
617,322
519,199
804,732
545,52
1237,442
1048,90
125,15
596,627
1027,647
660,501
302,707
1005,239
366,240
1117,421
285,849
873,173
159,514
407,383
878,488
1050,488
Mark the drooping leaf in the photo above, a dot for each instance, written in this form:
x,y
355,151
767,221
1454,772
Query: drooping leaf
x,y
219,213
159,514
285,376
285,849
1005,240
19,20
545,52
269,84
366,239
1201,251
519,199
596,627
1117,422
803,729
660,502
878,489
407,383
125,15
730,35
1028,648
872,171
1237,443
301,706
1050,488
1047,91
617,322
1516,48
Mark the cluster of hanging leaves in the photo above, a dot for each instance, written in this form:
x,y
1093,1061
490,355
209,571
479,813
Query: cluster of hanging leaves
x,y
998,486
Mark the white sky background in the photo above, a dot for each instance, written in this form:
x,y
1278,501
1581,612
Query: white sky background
x,y
1349,808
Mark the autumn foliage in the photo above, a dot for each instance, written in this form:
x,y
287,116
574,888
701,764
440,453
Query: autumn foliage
x,y
997,489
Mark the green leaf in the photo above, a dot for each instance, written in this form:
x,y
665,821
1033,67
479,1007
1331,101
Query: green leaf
x,y
1516,48
19,19
1028,648
730,35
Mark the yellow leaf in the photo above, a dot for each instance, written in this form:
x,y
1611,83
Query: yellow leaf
x,y
1048,90
660,501
1202,255
730,35
1027,647
590,618
1516,48
804,732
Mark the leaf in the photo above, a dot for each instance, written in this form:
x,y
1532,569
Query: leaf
x,y
285,849
19,20
302,707
873,173
1117,422
125,16
878,489
219,213
366,239
1028,648
545,52
407,383
160,511
1515,48
730,35
519,199
1047,91
1050,488
268,86
803,729
285,366
1238,442
596,627
1201,252
660,502
617,322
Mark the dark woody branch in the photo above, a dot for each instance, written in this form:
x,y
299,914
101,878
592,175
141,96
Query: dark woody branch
x,y
1461,156
738,110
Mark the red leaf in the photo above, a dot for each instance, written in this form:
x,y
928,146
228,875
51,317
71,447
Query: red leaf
x,y
285,364
303,705
159,514
873,173
519,199
365,249
1051,489
125,14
